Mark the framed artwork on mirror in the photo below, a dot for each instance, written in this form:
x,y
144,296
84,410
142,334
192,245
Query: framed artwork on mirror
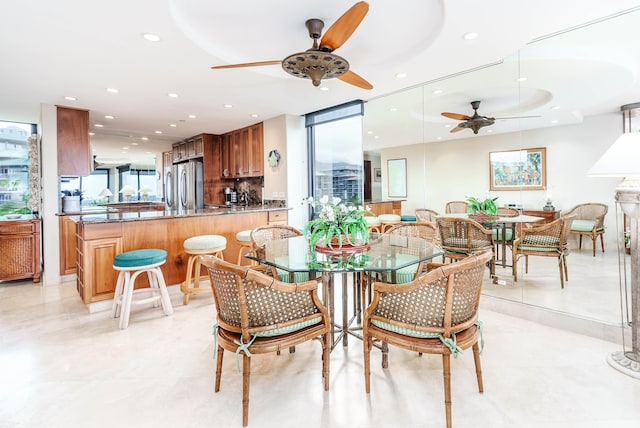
x,y
377,174
524,169
397,173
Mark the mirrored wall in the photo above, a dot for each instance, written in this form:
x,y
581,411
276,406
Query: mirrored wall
x,y
561,94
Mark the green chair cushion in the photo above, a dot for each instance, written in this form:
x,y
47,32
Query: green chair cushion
x,y
405,274
540,240
497,234
288,329
583,225
139,258
462,243
407,218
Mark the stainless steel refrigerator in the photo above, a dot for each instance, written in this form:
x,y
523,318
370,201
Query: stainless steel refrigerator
x,y
189,185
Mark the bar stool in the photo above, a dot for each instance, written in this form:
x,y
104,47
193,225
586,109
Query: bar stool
x,y
373,222
139,261
195,247
243,238
388,220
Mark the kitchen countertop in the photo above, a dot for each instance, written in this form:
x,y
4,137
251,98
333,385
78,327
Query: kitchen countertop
x,y
108,216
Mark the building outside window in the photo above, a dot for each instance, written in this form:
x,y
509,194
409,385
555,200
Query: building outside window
x,y
14,167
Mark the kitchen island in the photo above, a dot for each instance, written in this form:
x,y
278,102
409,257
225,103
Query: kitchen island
x,y
101,236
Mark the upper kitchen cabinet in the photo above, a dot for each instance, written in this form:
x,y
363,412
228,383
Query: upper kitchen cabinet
x,y
74,153
243,152
190,148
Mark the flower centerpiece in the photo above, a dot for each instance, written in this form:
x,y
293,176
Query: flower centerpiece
x,y
482,209
338,226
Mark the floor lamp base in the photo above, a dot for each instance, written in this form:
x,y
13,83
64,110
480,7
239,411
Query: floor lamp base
x,y
625,362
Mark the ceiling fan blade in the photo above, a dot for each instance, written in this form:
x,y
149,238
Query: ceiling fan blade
x,y
246,64
355,80
344,27
456,129
455,116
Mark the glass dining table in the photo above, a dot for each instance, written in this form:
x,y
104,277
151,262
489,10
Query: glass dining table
x,y
389,257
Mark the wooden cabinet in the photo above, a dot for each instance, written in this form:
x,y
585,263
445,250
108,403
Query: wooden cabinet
x,y
67,242
385,207
20,249
191,148
278,217
74,153
242,152
548,216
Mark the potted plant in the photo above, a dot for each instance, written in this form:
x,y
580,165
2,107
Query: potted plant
x,y
337,224
484,209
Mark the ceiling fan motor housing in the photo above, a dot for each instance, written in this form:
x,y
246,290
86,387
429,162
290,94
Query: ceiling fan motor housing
x,y
315,65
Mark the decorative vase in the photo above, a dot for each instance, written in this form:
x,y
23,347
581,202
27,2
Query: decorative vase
x,y
482,217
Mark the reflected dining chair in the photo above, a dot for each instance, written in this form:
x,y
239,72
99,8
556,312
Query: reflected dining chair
x,y
456,207
507,234
589,221
437,313
417,229
257,314
262,234
548,240
425,214
463,237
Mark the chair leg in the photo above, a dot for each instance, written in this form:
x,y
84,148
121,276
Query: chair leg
x,y
326,350
580,246
476,360
367,363
446,372
602,241
219,367
560,266
246,377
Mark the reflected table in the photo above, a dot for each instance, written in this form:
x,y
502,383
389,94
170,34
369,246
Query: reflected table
x,y
389,255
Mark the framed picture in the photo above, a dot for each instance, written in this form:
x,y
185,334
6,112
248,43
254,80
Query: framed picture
x,y
524,169
377,174
397,170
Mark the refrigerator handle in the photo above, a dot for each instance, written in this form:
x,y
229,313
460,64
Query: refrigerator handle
x,y
169,189
183,184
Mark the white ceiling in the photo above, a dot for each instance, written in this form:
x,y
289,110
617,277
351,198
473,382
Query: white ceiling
x,y
80,48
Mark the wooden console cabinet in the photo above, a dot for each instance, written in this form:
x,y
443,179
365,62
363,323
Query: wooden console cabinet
x,y
20,249
548,216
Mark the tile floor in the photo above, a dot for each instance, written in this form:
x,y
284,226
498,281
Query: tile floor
x,y
63,367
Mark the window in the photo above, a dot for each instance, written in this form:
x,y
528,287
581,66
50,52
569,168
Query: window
x,y
14,167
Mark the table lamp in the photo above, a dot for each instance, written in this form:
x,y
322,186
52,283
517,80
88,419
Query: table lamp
x,y
127,190
622,159
145,190
105,195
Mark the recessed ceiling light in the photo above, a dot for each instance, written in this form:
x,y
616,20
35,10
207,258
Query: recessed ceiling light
x,y
401,75
192,116
158,132
70,98
125,148
438,138
438,91
447,126
369,132
255,115
554,121
470,36
92,133
151,37
227,106
324,88
173,125
109,117
393,109
112,90
134,144
521,79
98,125
172,95
555,108
489,131
144,138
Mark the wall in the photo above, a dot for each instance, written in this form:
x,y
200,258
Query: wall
x,y
451,170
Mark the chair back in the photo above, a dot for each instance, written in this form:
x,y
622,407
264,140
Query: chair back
x,y
593,211
455,207
263,234
417,229
444,300
250,302
425,214
507,212
463,235
546,237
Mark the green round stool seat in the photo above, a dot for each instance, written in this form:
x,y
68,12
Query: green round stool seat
x,y
137,258
205,242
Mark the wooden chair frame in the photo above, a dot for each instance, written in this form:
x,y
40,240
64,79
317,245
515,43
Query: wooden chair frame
x,y
593,211
463,237
425,214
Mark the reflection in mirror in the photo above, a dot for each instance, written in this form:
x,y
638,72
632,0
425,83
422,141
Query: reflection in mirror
x,y
560,93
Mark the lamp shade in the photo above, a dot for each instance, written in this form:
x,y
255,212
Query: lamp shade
x,y
105,193
145,189
622,159
128,190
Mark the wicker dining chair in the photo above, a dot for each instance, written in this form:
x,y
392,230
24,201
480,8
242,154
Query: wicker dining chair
x,y
463,237
257,314
456,207
263,234
437,313
589,221
417,229
425,214
548,240
507,232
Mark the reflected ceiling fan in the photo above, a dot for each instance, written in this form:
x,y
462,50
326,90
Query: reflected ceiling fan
x,y
320,62
476,121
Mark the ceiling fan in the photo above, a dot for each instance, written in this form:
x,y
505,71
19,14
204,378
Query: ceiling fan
x,y
476,121
319,62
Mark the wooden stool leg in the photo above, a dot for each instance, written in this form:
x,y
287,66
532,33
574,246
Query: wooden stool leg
x,y
187,282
